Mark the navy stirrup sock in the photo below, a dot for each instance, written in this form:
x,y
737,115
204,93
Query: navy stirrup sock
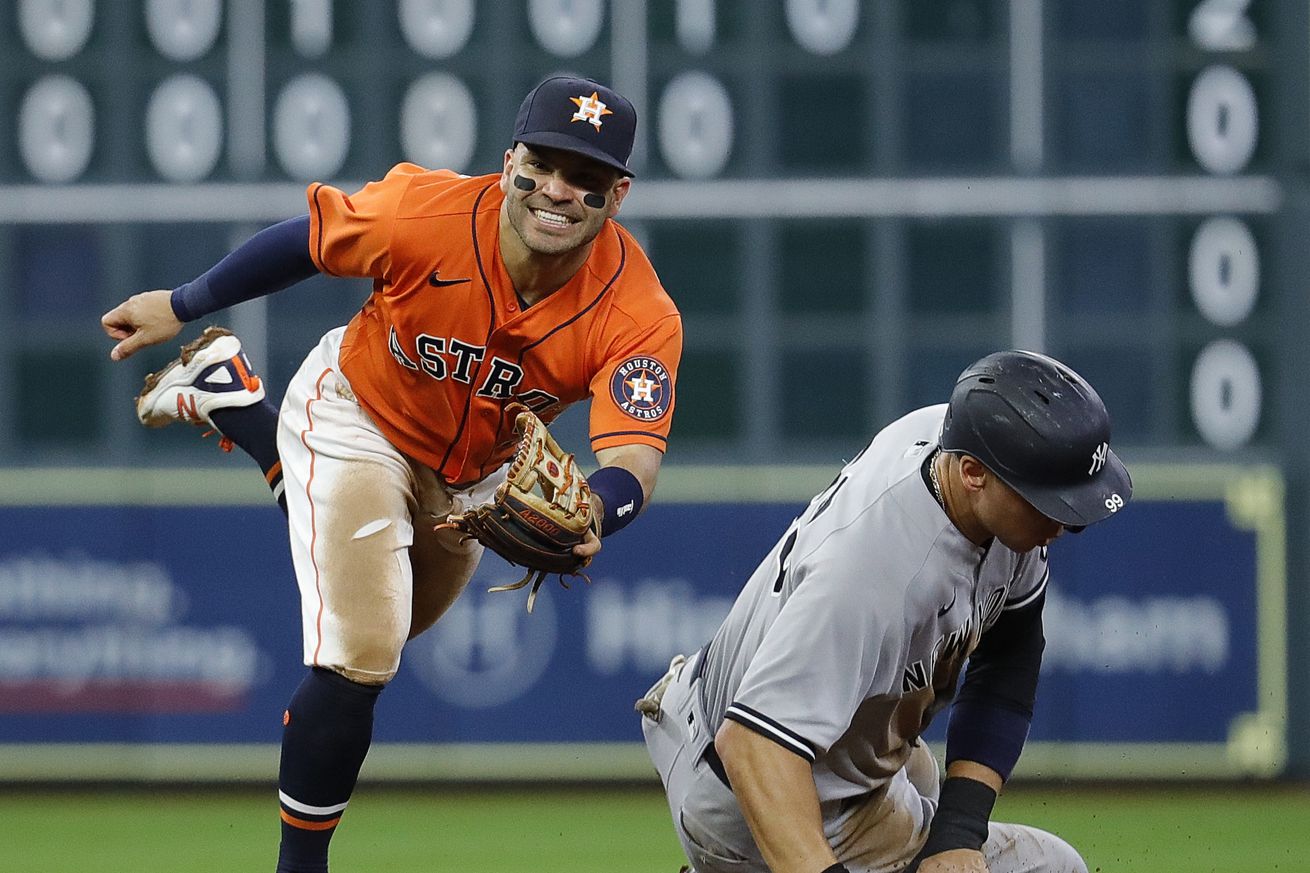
x,y
326,733
254,429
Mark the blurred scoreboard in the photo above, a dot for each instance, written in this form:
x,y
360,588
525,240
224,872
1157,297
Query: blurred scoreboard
x,y
850,201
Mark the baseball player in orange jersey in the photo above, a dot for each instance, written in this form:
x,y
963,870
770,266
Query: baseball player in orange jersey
x,y
516,286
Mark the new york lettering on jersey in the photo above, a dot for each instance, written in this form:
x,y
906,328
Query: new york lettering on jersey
x,y
443,343
836,569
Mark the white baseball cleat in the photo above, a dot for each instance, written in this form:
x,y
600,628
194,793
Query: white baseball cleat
x,y
211,373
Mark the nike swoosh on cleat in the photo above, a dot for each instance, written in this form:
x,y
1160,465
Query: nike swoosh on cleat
x,y
437,282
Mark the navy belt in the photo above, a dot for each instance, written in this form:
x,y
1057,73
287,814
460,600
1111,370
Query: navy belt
x,y
711,755
712,758
700,663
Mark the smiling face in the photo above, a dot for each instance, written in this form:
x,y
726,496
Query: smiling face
x,y
553,218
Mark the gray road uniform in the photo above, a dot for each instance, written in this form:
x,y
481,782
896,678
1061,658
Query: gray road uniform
x,y
843,644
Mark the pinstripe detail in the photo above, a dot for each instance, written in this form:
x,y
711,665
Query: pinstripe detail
x,y
296,806
614,433
318,246
523,352
1037,592
313,515
623,260
767,727
486,342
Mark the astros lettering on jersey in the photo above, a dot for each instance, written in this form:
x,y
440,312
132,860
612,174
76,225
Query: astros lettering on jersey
x,y
443,342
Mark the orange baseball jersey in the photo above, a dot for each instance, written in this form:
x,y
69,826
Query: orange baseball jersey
x,y
443,342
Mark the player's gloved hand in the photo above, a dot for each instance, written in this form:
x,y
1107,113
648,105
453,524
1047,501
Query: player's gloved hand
x,y
541,517
141,320
951,861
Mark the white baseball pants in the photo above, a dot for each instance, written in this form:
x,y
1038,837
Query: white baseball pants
x,y
371,570
876,833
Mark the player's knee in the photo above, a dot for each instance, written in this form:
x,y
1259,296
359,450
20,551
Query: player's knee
x,y
364,676
1020,847
1073,860
371,657
921,768
1059,856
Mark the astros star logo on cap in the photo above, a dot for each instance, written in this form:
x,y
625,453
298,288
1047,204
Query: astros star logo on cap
x,y
590,109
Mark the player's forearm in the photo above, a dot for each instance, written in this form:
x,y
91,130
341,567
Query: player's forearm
x,y
640,460
776,791
977,772
623,485
990,718
274,258
960,825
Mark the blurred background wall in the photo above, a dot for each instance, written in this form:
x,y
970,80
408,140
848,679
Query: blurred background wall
x,y
849,201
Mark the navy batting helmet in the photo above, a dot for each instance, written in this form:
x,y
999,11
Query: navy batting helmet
x,y
1041,429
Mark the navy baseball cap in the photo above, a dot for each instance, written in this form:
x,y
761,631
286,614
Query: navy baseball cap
x,y
581,116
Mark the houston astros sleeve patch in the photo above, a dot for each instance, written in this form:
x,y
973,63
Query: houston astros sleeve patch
x,y
641,388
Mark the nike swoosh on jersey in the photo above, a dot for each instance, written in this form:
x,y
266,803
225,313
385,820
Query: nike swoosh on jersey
x,y
437,282
947,608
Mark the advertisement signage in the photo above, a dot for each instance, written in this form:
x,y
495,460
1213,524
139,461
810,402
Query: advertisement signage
x,y
179,626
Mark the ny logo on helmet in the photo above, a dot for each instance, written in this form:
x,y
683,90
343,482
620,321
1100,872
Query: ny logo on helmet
x,y
590,109
1099,457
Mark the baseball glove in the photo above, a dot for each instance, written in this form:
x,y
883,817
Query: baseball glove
x,y
538,514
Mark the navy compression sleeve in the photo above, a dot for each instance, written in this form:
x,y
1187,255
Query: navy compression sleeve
x,y
990,717
269,261
620,494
